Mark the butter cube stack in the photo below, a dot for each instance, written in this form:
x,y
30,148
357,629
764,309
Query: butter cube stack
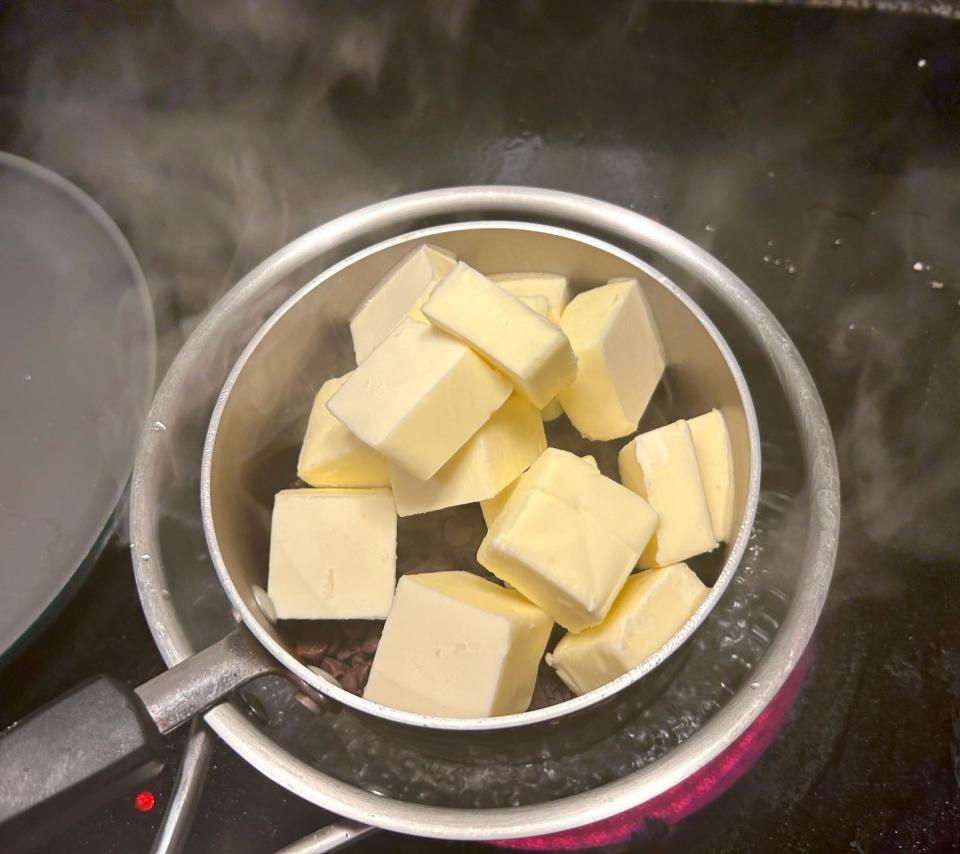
x,y
456,374
333,554
533,352
620,357
397,295
651,608
418,398
458,646
661,465
331,455
567,538
496,455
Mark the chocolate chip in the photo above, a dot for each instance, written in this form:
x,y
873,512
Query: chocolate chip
x,y
337,669
349,683
312,652
369,645
334,644
354,629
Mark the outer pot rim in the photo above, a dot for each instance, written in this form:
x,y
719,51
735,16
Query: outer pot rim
x,y
820,464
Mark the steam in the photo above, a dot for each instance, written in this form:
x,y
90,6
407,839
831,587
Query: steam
x,y
211,135
217,132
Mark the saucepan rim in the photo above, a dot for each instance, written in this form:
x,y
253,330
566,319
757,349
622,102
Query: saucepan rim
x,y
520,719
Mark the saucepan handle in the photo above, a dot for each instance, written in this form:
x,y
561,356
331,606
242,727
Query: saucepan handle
x,y
102,738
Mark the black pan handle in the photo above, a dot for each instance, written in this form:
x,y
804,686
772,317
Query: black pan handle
x,y
102,738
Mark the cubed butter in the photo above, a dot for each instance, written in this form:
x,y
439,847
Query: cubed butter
x,y
419,397
661,466
458,646
558,556
551,286
615,338
552,411
651,609
333,554
396,294
492,506
495,456
533,352
331,455
711,441
578,482
539,304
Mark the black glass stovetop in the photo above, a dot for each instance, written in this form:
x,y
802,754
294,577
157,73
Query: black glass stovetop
x,y
814,151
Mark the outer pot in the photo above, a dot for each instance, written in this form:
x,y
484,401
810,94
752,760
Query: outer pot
x,y
237,317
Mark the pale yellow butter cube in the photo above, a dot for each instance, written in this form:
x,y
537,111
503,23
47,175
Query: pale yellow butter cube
x,y
497,454
533,352
552,411
331,455
661,466
537,303
620,356
333,554
492,506
458,646
419,397
711,441
554,288
578,482
561,558
396,295
651,609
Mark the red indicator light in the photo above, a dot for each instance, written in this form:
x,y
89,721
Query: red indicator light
x,y
144,801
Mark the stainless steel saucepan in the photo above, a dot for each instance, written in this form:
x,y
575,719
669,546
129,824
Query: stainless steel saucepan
x,y
111,734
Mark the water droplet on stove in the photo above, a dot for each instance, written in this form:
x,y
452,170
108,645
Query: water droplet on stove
x,y
921,63
145,558
766,259
158,426
838,242
776,262
771,174
769,243
852,326
937,286
791,269
918,266
754,685
709,227
27,378
165,593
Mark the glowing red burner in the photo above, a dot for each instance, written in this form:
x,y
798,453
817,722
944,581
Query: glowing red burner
x,y
687,797
144,801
